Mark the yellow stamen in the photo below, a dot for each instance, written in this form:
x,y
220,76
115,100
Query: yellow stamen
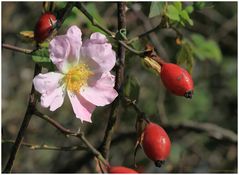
x,y
77,77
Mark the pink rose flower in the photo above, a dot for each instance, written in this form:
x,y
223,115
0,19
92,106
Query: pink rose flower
x,y
83,73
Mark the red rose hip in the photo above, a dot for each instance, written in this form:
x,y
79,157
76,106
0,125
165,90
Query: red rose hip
x,y
44,27
121,170
156,143
177,80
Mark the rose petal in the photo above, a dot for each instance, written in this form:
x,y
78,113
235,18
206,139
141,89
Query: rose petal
x,y
46,83
74,35
51,88
82,108
101,92
101,53
99,38
59,49
54,99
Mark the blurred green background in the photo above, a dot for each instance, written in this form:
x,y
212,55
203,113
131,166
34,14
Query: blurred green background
x,y
214,100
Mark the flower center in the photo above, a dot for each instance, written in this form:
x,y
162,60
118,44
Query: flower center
x,y
77,77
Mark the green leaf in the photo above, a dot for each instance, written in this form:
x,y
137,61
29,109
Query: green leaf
x,y
173,13
44,44
41,57
199,5
185,16
214,50
185,56
189,9
182,23
206,49
198,39
156,8
178,5
132,88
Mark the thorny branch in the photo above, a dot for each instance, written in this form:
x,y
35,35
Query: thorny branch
x,y
32,100
30,109
118,83
212,130
68,132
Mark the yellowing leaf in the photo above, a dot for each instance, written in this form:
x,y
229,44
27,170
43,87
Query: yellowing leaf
x,y
150,63
27,34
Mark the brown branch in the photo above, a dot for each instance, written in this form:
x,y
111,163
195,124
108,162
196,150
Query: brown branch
x,y
30,110
57,125
137,52
94,22
161,25
78,162
119,81
65,12
17,49
32,100
133,104
210,129
82,8
48,147
152,32
68,132
140,113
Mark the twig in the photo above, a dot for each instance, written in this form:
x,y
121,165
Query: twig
x,y
30,110
32,101
141,114
119,81
82,8
68,132
152,34
137,52
48,147
162,25
94,22
57,125
65,12
133,103
178,33
210,129
93,150
78,162
17,49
